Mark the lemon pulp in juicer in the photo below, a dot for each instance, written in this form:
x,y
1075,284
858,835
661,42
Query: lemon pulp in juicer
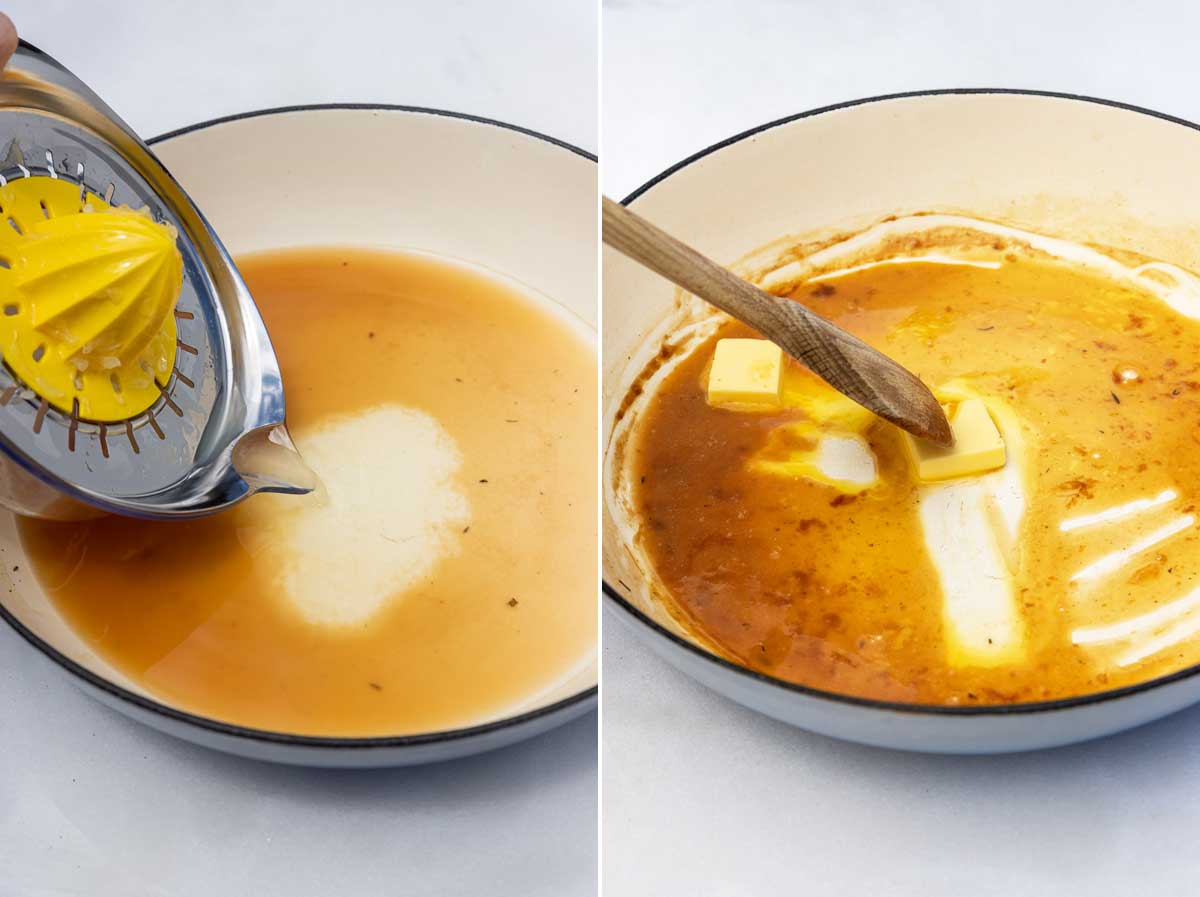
x,y
446,573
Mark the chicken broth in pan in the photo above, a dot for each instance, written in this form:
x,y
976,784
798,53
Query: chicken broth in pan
x,y
444,574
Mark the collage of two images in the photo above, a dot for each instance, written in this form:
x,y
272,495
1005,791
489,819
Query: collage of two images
x,y
639,448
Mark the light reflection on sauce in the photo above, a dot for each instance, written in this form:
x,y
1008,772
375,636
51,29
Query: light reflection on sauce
x,y
839,591
192,610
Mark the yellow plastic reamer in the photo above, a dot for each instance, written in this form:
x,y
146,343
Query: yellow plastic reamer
x,y
88,299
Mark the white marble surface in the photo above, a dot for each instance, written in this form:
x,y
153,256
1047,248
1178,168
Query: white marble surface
x,y
91,803
704,797
680,75
162,64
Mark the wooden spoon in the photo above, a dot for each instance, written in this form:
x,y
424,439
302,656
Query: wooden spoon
x,y
844,361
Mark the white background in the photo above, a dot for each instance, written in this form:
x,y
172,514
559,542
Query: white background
x,y
92,804
704,797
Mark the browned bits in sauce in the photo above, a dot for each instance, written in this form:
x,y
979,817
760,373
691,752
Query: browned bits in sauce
x,y
837,591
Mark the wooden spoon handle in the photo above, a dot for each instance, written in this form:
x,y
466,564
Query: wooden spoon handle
x,y
844,361
637,238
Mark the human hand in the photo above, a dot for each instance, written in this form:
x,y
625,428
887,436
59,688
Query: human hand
x,y
8,39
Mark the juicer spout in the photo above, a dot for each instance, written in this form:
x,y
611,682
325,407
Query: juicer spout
x,y
268,460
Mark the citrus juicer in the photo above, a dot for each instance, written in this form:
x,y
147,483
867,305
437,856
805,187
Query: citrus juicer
x,y
137,376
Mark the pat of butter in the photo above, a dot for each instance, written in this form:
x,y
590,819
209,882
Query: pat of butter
x,y
978,446
745,372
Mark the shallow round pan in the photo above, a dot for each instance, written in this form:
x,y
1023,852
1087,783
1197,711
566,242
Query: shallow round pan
x,y
498,196
1083,169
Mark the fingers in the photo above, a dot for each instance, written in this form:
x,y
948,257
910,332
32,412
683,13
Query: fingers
x,y
8,39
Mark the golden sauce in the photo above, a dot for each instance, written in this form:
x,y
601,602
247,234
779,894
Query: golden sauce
x,y
193,611
839,589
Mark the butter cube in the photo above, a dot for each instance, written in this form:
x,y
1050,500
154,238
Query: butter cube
x,y
978,446
745,372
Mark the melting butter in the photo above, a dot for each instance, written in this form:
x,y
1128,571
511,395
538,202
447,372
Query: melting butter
x,y
962,591
826,443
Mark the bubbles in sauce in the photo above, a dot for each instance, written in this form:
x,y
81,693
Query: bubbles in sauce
x,y
374,528
1072,570
443,574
